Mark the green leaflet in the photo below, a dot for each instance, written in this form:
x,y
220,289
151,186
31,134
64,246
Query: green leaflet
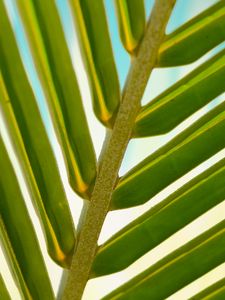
x,y
131,19
182,99
97,52
60,85
177,269
163,220
4,294
12,262
172,160
25,124
193,39
52,234
213,292
18,237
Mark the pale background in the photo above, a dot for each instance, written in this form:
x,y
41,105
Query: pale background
x,y
137,150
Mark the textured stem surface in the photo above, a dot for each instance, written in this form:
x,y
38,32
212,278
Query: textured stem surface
x,y
111,159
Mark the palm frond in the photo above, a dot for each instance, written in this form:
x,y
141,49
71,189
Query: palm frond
x,y
182,99
195,38
124,119
48,191
202,253
18,236
161,221
3,290
97,52
180,155
131,19
213,292
56,72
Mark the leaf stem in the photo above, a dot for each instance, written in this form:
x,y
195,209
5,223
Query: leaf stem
x,y
111,159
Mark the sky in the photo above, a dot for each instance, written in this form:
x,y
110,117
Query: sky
x,y
137,149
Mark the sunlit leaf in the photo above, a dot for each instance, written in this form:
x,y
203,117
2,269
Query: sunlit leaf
x,y
193,39
161,221
97,52
183,98
180,155
24,134
131,19
48,192
60,85
178,268
4,294
213,292
25,259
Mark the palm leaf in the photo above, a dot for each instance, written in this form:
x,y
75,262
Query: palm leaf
x,y
131,19
92,28
15,228
202,254
60,85
210,23
3,290
213,292
49,193
172,160
124,119
182,99
160,222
